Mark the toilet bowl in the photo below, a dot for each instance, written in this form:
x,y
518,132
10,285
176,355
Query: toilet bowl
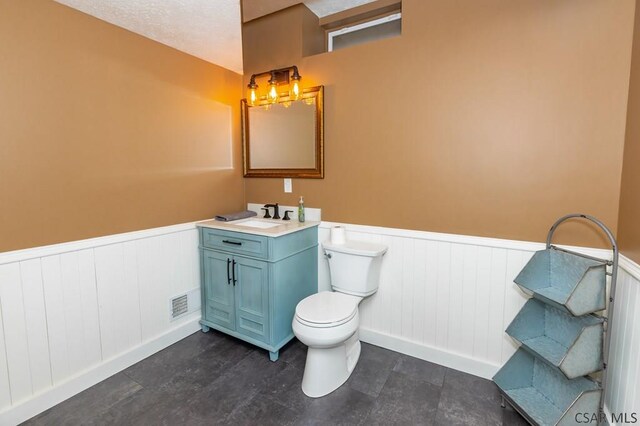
x,y
327,322
332,337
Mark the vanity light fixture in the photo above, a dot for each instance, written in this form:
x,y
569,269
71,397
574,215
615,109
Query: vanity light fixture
x,y
283,76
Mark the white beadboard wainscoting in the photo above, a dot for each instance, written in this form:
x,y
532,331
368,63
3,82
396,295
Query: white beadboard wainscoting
x,y
448,299
623,392
74,314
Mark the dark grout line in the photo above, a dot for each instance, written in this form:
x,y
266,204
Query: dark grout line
x,y
243,405
133,380
446,374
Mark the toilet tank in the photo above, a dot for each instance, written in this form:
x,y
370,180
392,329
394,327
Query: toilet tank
x,y
355,266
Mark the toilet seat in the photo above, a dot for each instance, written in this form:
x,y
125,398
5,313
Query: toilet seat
x,y
327,309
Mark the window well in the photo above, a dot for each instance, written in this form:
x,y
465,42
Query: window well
x,y
376,29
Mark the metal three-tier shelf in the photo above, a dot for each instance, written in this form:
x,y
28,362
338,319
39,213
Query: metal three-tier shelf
x,y
563,339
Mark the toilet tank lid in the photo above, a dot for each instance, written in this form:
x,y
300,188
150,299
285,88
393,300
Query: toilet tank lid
x,y
360,248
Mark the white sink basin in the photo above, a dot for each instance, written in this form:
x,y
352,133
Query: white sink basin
x,y
260,224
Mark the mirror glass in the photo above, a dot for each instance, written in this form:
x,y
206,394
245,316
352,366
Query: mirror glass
x,y
284,139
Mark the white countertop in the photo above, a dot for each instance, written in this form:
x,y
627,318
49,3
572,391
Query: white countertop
x,y
284,226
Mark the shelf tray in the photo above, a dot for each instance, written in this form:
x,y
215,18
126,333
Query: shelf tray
x,y
571,344
567,281
544,395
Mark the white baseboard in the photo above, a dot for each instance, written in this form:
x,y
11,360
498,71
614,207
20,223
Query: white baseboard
x,y
84,380
607,414
437,356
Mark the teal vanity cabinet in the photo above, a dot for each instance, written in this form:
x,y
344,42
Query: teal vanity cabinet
x,y
252,283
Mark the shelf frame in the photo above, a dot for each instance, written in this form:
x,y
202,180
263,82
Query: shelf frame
x,y
613,263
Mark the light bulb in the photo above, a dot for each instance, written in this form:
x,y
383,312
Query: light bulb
x,y
296,90
252,96
294,93
272,96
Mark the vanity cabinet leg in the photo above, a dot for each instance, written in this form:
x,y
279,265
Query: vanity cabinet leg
x,y
205,329
273,356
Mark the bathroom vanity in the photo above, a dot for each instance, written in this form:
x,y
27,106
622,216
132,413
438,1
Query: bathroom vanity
x,y
254,272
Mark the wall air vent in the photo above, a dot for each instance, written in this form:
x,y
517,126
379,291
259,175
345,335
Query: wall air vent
x,y
179,306
184,304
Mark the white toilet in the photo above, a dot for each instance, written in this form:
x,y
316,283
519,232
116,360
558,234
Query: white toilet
x,y
327,322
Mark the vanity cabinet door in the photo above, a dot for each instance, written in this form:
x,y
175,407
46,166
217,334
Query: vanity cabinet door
x,y
252,298
219,289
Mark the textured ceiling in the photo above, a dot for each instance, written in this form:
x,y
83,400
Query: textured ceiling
x,y
252,9
324,8
208,29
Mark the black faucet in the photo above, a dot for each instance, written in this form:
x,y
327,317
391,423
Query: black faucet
x,y
276,210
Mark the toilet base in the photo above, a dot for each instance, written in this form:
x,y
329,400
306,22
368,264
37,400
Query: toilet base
x,y
327,369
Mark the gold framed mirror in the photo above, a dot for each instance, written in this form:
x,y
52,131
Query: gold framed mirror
x,y
286,138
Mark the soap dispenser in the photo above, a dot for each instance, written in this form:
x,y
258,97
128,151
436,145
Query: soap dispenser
x,y
301,210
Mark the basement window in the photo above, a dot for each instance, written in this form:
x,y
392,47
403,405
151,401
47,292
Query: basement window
x,y
376,29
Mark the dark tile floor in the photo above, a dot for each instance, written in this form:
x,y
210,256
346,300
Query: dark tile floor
x,y
211,378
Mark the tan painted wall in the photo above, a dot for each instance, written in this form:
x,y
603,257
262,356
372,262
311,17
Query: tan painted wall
x,y
629,222
487,118
103,131
281,38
